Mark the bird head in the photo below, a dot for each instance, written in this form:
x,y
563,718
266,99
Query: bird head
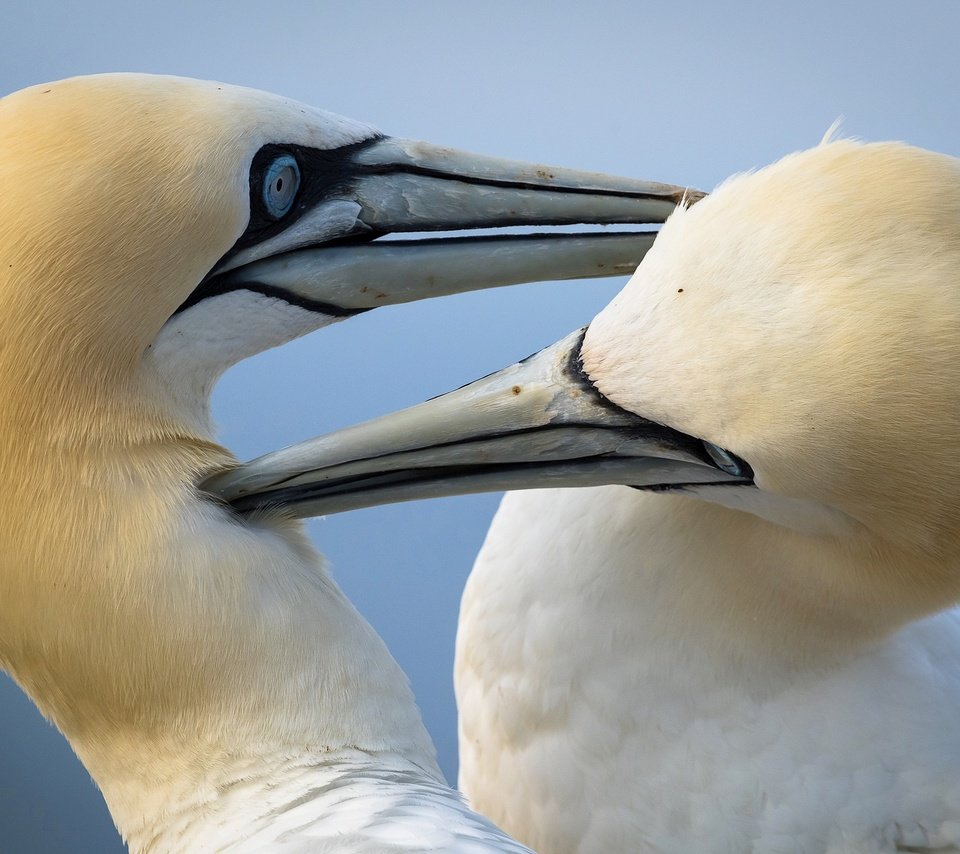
x,y
806,318
120,194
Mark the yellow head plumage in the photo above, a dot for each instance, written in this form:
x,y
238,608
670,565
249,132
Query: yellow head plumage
x,y
807,318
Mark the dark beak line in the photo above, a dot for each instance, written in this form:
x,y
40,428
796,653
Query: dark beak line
x,y
244,278
576,375
676,198
432,471
223,285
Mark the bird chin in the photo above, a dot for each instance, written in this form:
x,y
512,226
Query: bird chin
x,y
195,347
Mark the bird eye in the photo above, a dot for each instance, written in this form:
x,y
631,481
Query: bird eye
x,y
724,460
281,180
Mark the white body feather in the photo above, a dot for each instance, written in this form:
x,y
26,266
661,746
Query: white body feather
x,y
602,708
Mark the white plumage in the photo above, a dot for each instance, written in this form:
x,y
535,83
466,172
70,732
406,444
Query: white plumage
x,y
725,669
602,710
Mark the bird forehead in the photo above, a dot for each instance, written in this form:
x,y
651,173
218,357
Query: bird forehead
x,y
842,231
220,124
849,201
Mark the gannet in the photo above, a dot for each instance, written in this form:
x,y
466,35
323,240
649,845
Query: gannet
x,y
753,650
205,668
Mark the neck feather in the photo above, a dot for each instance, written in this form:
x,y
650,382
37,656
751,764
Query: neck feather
x,y
166,638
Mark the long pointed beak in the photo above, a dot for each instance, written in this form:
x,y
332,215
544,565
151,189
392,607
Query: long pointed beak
x,y
325,261
347,280
538,423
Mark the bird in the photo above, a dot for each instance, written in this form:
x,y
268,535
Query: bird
x,y
204,666
756,647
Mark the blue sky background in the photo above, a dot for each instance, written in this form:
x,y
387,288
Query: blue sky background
x,y
682,92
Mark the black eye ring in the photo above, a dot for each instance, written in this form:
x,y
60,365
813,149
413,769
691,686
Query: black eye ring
x,y
281,181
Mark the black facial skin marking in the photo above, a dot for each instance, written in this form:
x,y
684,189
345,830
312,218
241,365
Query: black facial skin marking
x,y
323,174
576,373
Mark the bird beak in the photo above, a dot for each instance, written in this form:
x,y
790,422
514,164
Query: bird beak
x,y
326,260
539,423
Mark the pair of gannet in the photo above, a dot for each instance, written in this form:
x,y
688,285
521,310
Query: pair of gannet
x,y
752,652
207,671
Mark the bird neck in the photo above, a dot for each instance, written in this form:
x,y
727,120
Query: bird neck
x,y
170,640
701,585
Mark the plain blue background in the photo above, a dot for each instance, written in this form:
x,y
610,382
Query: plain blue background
x,y
681,92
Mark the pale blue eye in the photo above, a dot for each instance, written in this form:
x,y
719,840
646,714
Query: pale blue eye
x,y
280,184
723,460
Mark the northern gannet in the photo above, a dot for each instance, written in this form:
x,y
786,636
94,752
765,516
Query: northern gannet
x,y
208,672
754,651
